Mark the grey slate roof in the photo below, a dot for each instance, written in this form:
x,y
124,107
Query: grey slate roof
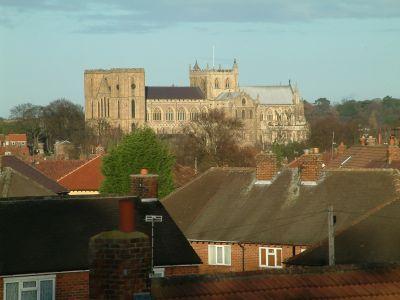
x,y
52,234
279,94
173,92
375,239
224,204
30,173
227,95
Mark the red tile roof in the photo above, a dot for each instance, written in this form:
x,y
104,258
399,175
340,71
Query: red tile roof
x,y
56,169
379,282
87,177
16,137
360,157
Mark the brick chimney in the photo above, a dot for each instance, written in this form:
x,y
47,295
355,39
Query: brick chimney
x,y
393,152
311,166
144,185
120,260
267,168
341,148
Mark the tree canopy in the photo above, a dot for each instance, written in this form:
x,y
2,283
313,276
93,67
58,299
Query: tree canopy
x,y
139,149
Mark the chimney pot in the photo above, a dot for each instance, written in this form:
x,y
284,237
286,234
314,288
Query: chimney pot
x,y
126,215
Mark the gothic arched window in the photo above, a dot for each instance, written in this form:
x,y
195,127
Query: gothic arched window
x,y
251,114
270,116
216,83
227,83
243,114
169,114
156,114
108,107
133,109
194,114
243,101
181,114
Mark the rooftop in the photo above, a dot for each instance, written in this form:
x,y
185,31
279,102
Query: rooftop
x,y
284,212
278,94
56,169
28,174
372,282
173,92
60,228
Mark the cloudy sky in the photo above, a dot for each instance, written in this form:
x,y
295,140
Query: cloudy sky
x,y
332,48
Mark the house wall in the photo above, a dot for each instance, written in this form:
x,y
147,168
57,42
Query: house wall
x,y
72,285
181,270
251,256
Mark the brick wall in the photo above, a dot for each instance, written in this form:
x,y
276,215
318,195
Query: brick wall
x,y
74,285
251,256
181,270
266,166
119,264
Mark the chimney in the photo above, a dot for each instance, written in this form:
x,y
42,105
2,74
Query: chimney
x,y
341,148
311,166
144,185
120,260
126,216
393,152
267,168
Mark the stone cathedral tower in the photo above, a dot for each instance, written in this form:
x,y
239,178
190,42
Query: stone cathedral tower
x,y
117,96
213,81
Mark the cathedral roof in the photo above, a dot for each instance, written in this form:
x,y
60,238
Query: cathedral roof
x,y
279,94
173,92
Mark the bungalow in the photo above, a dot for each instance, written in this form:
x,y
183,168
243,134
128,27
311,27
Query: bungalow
x,y
241,219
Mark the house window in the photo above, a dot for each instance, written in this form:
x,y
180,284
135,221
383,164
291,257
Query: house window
x,y
181,114
32,288
270,257
157,114
169,115
219,255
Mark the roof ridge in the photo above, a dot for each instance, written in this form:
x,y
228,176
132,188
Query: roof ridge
x,y
74,170
188,183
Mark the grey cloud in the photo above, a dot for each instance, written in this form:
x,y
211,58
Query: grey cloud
x,y
142,16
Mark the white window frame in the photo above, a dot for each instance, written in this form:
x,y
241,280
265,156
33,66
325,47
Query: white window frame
x,y
21,280
214,248
267,250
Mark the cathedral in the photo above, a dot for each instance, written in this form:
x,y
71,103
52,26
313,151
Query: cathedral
x,y
269,113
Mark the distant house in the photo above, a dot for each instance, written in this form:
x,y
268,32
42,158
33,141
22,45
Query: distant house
x,y
85,177
368,156
241,219
18,179
14,144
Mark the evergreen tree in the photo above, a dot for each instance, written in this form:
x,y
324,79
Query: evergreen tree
x,y
140,149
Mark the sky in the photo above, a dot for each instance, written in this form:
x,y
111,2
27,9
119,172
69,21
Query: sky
x,y
333,48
